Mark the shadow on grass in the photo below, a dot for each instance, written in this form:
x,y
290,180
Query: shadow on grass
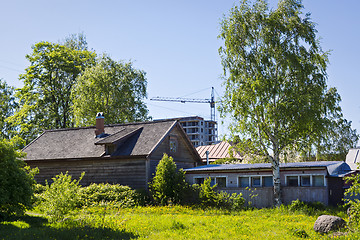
x,y
37,229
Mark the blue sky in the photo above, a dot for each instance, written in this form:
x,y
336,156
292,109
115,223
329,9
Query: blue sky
x,y
174,42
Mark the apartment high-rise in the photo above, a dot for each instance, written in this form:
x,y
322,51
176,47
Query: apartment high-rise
x,y
200,132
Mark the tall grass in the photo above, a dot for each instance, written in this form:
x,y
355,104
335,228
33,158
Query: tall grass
x,y
172,222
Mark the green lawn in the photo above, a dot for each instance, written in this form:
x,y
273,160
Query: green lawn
x,y
168,223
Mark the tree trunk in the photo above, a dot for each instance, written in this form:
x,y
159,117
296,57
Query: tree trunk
x,y
277,185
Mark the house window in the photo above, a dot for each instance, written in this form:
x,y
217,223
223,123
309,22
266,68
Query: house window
x,y
220,181
199,180
255,181
292,181
305,181
267,181
244,182
318,181
109,149
173,146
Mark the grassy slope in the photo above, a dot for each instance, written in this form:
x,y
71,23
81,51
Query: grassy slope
x,y
166,223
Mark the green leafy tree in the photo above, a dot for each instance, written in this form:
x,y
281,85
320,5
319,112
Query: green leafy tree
x,y
8,106
45,100
275,78
168,184
333,145
115,88
16,180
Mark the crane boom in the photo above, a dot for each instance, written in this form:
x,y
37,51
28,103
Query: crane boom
x,y
193,100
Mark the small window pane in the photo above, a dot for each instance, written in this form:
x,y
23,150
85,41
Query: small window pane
x,y
305,181
212,183
221,181
268,181
244,182
199,181
255,182
292,181
318,181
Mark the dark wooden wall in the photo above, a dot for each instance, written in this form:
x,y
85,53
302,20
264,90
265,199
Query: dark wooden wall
x,y
130,172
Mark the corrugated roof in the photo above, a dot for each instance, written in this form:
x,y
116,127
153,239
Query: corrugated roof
x,y
332,166
217,151
80,142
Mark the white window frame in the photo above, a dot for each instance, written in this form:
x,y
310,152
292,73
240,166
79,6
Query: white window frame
x,y
226,179
250,180
303,174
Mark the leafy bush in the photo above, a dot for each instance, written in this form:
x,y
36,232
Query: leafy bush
x,y
168,184
309,208
210,198
16,180
352,199
121,196
61,197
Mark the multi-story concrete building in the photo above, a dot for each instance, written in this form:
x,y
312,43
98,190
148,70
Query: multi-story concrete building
x,y
200,132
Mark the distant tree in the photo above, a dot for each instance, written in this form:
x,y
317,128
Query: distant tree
x,y
16,181
8,106
115,88
45,101
334,144
168,183
275,78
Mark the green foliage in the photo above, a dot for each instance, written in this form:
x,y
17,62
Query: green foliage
x,y
8,106
170,222
61,197
115,88
209,197
44,99
16,180
229,160
275,79
121,196
309,208
168,184
352,200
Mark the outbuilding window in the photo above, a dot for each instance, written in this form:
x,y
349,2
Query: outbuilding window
x,y
220,181
305,180
244,182
292,181
199,180
318,181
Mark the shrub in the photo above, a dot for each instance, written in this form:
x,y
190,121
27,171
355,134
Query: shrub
x,y
210,198
352,198
61,197
121,196
16,180
168,184
309,208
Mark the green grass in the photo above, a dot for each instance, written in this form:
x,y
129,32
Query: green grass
x,y
170,223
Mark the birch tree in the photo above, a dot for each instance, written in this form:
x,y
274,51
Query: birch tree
x,y
275,78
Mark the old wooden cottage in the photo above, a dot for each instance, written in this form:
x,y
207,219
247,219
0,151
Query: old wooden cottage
x,y
307,181
126,154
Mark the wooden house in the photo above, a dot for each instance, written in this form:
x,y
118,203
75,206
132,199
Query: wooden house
x,y
124,154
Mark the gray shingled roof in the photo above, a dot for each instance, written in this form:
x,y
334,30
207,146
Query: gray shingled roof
x,y
80,142
334,168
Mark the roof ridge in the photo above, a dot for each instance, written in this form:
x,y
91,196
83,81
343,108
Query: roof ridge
x,y
110,125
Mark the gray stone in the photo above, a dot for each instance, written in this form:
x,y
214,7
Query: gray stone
x,y
327,223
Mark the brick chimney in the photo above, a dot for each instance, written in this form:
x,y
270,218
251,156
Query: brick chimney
x,y
99,124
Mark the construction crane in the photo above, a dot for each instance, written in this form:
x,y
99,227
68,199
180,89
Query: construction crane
x,y
193,100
